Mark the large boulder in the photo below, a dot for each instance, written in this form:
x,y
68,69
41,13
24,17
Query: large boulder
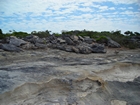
x,y
69,41
15,41
29,46
10,47
41,46
112,43
85,49
88,40
31,38
61,41
98,48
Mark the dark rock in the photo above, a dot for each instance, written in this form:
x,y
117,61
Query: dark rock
x,y
41,46
81,38
61,47
69,41
31,38
10,47
84,48
98,48
65,48
51,39
15,41
41,41
112,43
89,40
68,49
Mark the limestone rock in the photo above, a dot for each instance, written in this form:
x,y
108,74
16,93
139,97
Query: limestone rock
x,y
98,48
29,46
118,102
61,41
10,47
113,44
31,38
15,41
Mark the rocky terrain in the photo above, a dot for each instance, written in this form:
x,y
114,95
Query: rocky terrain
x,y
56,77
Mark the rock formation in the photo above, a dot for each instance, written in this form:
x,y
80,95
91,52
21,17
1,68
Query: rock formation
x,y
70,43
56,77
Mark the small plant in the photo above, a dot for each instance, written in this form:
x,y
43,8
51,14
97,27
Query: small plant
x,y
102,39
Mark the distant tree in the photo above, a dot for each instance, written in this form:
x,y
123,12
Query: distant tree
x,y
137,33
128,33
118,32
1,32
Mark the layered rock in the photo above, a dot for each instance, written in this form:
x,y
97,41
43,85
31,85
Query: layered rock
x,y
64,78
70,43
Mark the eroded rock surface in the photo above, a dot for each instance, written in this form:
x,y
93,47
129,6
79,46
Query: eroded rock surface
x,y
56,77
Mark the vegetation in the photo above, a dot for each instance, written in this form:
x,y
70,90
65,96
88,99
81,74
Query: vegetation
x,y
41,34
124,39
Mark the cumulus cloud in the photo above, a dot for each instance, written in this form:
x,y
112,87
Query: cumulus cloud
x,y
57,15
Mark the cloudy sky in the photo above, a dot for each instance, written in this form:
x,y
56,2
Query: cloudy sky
x,y
58,15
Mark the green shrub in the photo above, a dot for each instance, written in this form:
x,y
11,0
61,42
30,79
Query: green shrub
x,y
102,39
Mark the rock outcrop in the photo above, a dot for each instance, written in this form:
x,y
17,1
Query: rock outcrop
x,y
10,47
112,43
16,41
69,43
55,77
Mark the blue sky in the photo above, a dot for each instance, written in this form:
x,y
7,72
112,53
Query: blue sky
x,y
58,15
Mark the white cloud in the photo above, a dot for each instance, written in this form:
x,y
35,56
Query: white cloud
x,y
112,8
130,8
103,8
122,8
60,15
85,9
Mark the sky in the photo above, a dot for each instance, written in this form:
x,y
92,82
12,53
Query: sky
x,y
60,15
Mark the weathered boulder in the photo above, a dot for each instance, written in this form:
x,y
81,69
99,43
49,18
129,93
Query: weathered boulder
x,y
75,49
15,41
51,39
81,38
98,48
112,43
29,46
31,38
69,41
61,41
40,46
10,47
85,49
74,37
88,40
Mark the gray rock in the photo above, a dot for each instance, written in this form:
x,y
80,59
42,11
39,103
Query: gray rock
x,y
60,40
89,40
81,38
29,46
74,38
84,49
15,41
98,48
10,47
69,41
112,43
75,49
31,38
41,46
